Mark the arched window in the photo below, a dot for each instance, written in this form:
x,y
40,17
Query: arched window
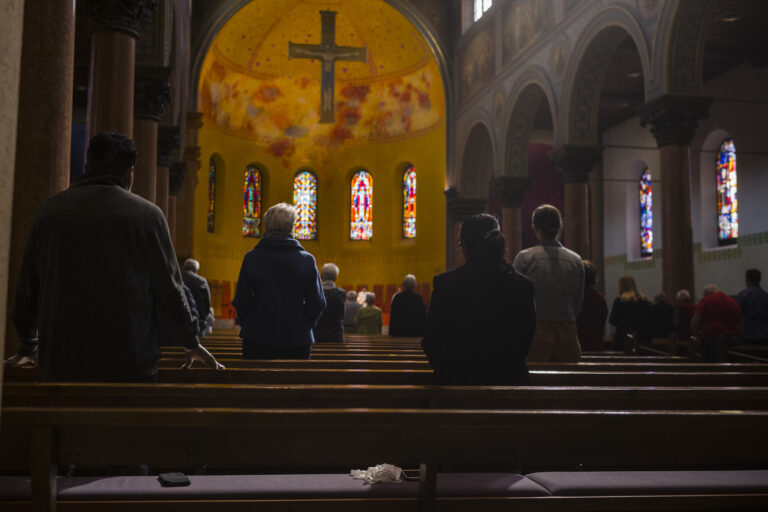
x,y
480,7
409,203
727,188
305,200
646,214
211,193
252,202
361,215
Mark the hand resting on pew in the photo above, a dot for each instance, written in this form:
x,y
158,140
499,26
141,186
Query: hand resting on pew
x,y
200,353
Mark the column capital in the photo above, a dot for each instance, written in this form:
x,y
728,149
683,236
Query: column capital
x,y
673,119
168,141
177,173
459,208
511,190
575,161
118,15
151,94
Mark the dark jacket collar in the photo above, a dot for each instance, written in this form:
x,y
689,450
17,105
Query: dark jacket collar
x,y
97,179
280,244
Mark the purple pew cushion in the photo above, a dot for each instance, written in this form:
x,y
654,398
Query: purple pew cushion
x,y
616,483
487,484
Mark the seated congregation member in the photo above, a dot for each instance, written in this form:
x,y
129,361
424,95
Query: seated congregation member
x,y
408,313
368,319
631,313
350,311
330,327
279,296
99,245
558,274
480,342
754,308
715,315
684,307
198,285
662,317
594,312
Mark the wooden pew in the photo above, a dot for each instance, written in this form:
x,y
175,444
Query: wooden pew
x,y
350,438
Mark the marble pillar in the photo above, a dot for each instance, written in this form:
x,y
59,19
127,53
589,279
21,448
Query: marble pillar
x,y
185,200
459,208
114,26
511,190
152,95
44,121
178,172
168,141
575,162
673,121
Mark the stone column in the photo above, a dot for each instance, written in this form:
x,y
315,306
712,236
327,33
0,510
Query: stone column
x,y
168,140
673,121
44,121
152,95
459,208
177,173
185,201
511,190
575,163
114,26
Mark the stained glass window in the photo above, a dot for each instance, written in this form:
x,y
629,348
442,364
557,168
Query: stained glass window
x,y
252,202
305,200
409,203
361,215
480,7
211,193
646,214
727,188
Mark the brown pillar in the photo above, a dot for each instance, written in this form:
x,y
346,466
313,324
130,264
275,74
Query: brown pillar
x,y
185,200
44,122
575,163
459,208
673,121
114,26
152,95
168,140
178,171
511,190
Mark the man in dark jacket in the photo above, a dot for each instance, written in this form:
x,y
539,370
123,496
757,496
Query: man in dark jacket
x,y
198,285
408,314
279,296
100,288
330,327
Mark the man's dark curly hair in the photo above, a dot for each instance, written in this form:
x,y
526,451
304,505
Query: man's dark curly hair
x,y
110,153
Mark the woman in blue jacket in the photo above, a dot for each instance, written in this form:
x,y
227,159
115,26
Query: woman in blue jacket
x,y
279,296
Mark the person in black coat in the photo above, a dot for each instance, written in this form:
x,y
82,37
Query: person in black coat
x,y
408,313
631,313
482,316
201,292
330,327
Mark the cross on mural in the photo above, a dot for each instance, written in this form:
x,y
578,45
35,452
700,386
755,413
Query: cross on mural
x,y
328,53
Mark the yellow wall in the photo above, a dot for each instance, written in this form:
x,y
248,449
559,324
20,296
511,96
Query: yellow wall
x,y
383,260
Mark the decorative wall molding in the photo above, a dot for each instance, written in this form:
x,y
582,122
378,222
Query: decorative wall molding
x,y
686,46
168,141
673,119
151,96
118,15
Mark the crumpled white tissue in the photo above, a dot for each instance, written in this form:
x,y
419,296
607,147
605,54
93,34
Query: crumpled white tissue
x,y
379,474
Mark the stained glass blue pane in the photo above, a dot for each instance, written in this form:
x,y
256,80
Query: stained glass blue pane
x,y
305,200
646,214
252,202
727,189
361,212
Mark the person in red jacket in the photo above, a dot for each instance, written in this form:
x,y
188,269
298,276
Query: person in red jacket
x,y
716,314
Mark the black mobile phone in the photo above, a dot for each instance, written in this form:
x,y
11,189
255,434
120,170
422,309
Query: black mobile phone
x,y
173,479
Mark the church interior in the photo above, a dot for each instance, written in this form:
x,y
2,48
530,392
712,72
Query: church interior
x,y
387,123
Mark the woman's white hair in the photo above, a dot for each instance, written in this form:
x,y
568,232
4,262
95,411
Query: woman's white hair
x,y
329,272
409,282
280,217
683,296
370,298
191,264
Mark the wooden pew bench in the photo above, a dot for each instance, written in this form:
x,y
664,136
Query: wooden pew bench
x,y
729,445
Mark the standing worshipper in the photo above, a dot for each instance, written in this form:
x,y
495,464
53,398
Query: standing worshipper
x,y
100,288
330,327
631,313
368,319
408,314
716,314
684,308
198,285
279,296
594,312
754,308
481,315
350,311
558,274
662,317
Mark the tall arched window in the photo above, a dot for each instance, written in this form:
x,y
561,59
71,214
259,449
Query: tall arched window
x,y
646,214
252,202
727,188
211,193
409,203
361,215
305,200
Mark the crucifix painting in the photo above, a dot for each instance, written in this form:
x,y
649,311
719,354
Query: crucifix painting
x,y
327,53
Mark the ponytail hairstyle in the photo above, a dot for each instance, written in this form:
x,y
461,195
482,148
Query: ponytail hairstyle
x,y
482,240
546,218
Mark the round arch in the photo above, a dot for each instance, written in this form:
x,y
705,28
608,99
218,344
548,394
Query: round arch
x,y
680,44
477,163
